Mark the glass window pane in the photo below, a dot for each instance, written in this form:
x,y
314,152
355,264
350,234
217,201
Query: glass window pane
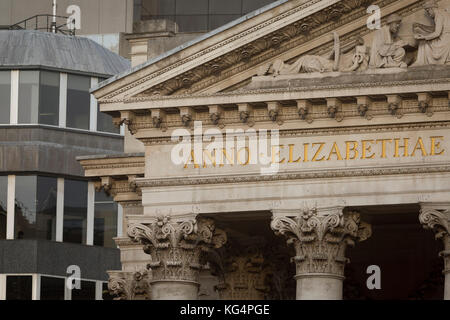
x,y
105,123
216,21
49,98
225,7
5,96
18,287
192,7
52,288
86,292
192,23
35,208
105,220
75,211
78,101
161,7
28,96
251,5
3,205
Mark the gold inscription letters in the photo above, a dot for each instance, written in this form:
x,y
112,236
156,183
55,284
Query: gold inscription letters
x,y
317,151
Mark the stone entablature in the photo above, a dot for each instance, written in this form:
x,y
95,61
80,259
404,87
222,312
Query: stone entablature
x,y
285,104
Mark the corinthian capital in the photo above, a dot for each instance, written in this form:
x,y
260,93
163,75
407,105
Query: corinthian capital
x,y
177,247
320,238
128,285
436,218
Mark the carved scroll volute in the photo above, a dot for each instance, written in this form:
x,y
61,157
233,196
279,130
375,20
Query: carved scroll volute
x,y
118,286
436,220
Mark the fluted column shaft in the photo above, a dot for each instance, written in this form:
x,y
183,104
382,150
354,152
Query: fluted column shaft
x,y
320,239
436,217
177,249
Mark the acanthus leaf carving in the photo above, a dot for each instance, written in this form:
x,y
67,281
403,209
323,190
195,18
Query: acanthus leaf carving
x,y
177,248
320,240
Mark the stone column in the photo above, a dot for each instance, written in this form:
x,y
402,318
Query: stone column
x,y
436,217
178,250
320,238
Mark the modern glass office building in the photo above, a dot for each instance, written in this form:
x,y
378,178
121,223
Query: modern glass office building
x,y
52,220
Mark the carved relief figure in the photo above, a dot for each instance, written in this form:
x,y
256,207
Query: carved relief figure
x,y
310,63
360,57
434,46
387,50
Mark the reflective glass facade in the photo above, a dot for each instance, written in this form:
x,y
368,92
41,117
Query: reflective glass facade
x,y
75,211
52,288
35,207
3,205
38,97
86,292
78,101
19,287
199,15
5,94
105,220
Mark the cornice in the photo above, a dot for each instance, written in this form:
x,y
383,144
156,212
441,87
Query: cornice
x,y
258,92
308,132
294,175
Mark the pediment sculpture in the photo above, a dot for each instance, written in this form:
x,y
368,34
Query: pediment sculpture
x,y
431,44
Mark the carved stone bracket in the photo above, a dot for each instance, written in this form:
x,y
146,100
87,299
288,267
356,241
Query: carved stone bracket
x,y
215,114
364,104
159,119
129,285
105,184
320,239
245,112
177,247
424,102
187,116
274,109
334,106
395,105
304,110
128,118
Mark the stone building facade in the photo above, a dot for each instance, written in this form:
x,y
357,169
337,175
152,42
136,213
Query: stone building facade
x,y
302,121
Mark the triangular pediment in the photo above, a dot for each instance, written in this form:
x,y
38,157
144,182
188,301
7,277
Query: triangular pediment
x,y
227,58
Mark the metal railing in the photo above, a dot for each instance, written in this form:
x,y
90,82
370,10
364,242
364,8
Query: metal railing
x,y
45,22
